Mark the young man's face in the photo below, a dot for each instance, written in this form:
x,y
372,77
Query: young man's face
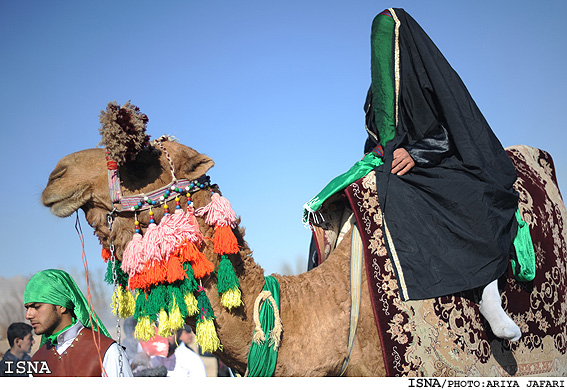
x,y
45,318
25,344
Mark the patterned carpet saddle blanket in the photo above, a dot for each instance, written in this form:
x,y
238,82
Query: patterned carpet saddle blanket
x,y
447,336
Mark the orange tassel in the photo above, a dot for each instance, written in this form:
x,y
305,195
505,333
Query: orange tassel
x,y
175,270
106,254
154,273
186,250
201,266
224,241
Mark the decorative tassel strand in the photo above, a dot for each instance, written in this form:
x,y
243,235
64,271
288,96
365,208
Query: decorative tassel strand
x,y
219,214
224,241
227,284
126,302
205,332
133,259
151,245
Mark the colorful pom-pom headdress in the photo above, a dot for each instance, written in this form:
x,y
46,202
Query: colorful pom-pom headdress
x,y
158,281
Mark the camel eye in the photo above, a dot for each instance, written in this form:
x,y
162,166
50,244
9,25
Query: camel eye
x,y
57,173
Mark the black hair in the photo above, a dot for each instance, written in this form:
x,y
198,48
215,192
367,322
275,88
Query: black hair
x,y
18,330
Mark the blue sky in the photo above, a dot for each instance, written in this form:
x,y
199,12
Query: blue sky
x,y
271,90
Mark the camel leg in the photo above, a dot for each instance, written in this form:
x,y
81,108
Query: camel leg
x,y
491,308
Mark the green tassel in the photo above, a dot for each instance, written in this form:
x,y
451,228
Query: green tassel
x,y
121,276
226,276
227,284
205,332
190,282
204,307
141,309
158,299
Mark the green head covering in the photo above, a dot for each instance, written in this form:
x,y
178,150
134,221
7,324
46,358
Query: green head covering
x,y
57,287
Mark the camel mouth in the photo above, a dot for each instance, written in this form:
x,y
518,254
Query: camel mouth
x,y
66,204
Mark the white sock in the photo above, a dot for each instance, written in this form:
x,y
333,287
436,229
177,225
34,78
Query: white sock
x,y
491,308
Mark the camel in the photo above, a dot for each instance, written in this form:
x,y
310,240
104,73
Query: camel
x,y
79,181
315,305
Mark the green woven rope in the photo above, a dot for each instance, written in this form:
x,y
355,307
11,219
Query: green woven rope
x,y
262,356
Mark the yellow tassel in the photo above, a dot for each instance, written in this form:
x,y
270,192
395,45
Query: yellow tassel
x,y
191,303
176,320
231,298
144,329
127,304
164,326
206,336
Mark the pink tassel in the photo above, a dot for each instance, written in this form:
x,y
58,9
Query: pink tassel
x,y
133,261
151,244
219,212
193,230
166,235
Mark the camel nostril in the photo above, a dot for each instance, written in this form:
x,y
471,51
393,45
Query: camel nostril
x,y
56,174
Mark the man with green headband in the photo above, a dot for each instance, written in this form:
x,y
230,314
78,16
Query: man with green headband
x,y
74,341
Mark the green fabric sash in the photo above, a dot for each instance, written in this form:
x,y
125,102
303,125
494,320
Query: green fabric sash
x,y
57,287
382,72
358,170
53,337
262,357
525,268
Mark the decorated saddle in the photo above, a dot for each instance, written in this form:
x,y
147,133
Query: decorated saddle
x,y
447,336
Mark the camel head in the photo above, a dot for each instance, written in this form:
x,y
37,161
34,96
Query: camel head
x,y
81,181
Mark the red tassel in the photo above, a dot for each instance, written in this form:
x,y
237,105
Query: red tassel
x,y
106,255
224,241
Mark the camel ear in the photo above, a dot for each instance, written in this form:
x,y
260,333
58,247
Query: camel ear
x,y
193,166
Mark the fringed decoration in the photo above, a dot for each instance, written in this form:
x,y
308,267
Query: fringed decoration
x,y
218,212
205,333
144,330
191,304
132,259
124,300
167,230
164,327
175,270
121,276
153,274
187,288
231,299
224,241
143,314
227,284
176,317
202,266
151,245
106,254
